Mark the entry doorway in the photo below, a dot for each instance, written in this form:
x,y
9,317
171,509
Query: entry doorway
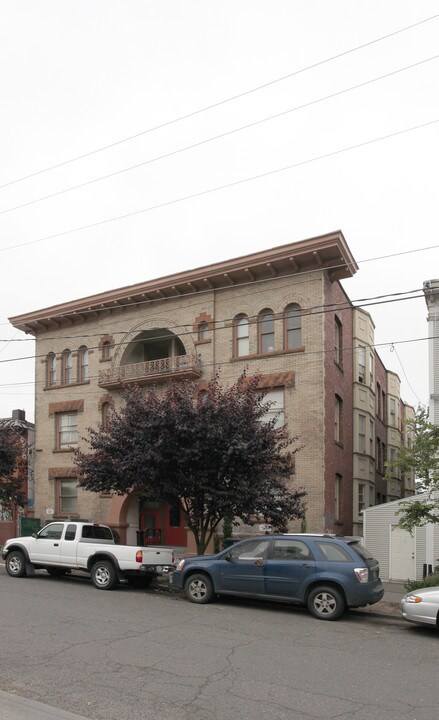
x,y
402,554
162,524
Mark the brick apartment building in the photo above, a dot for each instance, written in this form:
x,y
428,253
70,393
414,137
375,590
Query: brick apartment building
x,y
10,516
281,313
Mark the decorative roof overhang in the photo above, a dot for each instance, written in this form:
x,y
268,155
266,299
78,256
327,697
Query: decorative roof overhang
x,y
328,253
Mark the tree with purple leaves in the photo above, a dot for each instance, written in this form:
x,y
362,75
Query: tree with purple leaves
x,y
213,451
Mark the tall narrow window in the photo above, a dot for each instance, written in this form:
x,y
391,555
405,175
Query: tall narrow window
x,y
66,430
203,331
266,331
51,369
392,419
83,368
361,353
371,435
361,497
293,327
105,415
371,368
106,350
338,341
241,336
337,418
362,433
67,367
67,499
337,494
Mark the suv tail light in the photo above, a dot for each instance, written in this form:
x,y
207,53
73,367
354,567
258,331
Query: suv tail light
x,y
362,574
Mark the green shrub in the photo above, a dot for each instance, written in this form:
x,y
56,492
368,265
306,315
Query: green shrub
x,y
216,543
428,581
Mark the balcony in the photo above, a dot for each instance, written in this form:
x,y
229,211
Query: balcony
x,y
151,371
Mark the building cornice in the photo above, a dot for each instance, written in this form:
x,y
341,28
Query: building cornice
x,y
328,253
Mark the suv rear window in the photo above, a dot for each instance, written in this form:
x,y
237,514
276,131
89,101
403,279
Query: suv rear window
x,y
333,552
361,550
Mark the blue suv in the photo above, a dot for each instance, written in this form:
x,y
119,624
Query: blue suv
x,y
328,574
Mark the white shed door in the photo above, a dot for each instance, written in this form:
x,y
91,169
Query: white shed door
x,y
402,555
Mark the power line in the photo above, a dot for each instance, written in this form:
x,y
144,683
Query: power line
x,y
225,324
216,137
235,183
224,101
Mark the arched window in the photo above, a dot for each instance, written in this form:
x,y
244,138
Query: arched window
x,y
293,328
83,368
67,367
203,331
241,340
51,369
106,350
266,331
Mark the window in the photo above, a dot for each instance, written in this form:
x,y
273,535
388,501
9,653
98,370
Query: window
x,y
361,497
96,532
251,550
83,369
290,550
266,331
338,411
333,552
337,495
70,532
277,408
66,430
371,496
371,434
293,328
106,350
67,367
378,400
371,363
174,515
105,415
361,364
362,433
392,412
338,340
67,496
53,531
51,369
203,331
241,336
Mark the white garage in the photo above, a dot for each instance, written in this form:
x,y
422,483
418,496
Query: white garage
x,y
401,556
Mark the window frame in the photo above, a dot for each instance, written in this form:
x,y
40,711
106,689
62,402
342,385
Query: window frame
x,y
266,317
60,495
60,429
292,313
83,367
51,369
239,340
338,341
67,367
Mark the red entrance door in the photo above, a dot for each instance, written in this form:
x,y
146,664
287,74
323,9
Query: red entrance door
x,y
163,525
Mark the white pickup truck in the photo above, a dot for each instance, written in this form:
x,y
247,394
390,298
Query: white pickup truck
x,y
64,546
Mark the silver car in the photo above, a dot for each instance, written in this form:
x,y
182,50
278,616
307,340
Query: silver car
x,y
421,606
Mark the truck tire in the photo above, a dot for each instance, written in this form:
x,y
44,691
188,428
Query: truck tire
x,y
199,589
15,564
326,603
103,575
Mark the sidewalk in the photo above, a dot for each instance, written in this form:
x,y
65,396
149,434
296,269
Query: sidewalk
x,y
13,707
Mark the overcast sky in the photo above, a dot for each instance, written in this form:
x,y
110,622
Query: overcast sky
x,y
79,75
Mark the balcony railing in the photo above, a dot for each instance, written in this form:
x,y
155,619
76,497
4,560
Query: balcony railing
x,y
151,371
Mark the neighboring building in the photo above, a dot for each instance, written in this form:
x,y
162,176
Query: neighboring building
x,y
10,517
282,313
401,556
431,292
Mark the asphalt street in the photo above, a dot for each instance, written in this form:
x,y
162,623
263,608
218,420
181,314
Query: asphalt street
x,y
151,654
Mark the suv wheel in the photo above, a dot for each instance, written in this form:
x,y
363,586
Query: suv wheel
x,y
199,589
326,603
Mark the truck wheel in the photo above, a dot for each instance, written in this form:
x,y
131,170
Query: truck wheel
x,y
326,603
15,564
103,575
199,588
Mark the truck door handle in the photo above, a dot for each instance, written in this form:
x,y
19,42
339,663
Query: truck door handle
x,y
55,544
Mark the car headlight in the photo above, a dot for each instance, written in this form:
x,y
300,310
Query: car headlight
x,y
413,599
180,564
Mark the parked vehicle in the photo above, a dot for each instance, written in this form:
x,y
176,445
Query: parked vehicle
x,y
421,606
64,546
328,574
